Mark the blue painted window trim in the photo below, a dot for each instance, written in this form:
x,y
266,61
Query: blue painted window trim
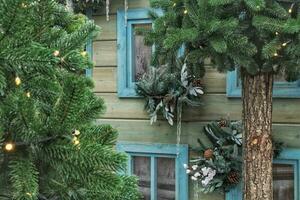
x,y
281,89
89,46
160,150
287,156
125,33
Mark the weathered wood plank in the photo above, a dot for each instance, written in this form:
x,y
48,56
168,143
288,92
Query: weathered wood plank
x,y
105,79
161,132
215,106
214,81
119,4
108,28
105,53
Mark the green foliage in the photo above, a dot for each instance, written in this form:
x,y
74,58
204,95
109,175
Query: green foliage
x,y
166,90
83,5
24,171
219,164
48,109
257,35
222,157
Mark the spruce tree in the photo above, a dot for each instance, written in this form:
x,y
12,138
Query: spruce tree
x,y
50,147
259,38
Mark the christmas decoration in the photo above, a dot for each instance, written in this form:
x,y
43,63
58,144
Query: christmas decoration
x,y
76,132
28,94
165,89
208,154
17,80
219,164
197,83
223,123
50,147
84,53
75,141
233,177
9,146
56,53
107,10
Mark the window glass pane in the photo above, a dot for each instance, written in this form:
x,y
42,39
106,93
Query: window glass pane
x,y
141,53
141,168
280,77
283,179
166,179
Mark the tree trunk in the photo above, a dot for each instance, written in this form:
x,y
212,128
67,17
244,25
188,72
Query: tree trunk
x,y
257,144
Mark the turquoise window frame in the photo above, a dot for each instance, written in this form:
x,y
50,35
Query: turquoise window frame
x,y
125,33
287,156
180,153
281,89
89,45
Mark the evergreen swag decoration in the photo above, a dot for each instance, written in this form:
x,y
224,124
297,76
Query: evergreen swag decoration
x,y
165,89
219,165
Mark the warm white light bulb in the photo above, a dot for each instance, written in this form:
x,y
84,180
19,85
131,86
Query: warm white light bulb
x,y
84,53
76,132
9,147
56,53
17,80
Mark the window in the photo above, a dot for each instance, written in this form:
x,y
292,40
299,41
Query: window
x,y
282,88
286,178
159,168
133,55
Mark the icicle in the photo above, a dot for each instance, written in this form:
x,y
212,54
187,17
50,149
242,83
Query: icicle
x,y
126,10
107,10
196,190
70,5
179,114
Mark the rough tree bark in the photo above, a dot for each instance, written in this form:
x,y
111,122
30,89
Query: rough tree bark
x,y
257,148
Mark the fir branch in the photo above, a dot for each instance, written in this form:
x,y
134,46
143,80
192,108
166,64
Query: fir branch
x,y
12,20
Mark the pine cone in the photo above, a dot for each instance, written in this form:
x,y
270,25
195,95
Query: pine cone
x,y
197,83
233,177
208,154
222,123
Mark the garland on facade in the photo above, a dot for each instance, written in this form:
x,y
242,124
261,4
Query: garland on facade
x,y
219,165
166,89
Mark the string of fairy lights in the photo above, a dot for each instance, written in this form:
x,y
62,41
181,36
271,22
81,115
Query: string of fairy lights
x,y
10,146
291,10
